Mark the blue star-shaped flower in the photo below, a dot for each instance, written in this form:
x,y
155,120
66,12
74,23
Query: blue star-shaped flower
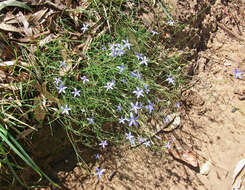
x,y
121,120
76,92
110,85
146,89
136,75
65,110
84,28
129,136
138,92
132,120
154,32
119,108
147,143
135,107
62,64
97,156
126,44
84,79
103,144
61,89
139,56
90,120
171,22
150,107
238,74
121,67
57,81
99,173
170,79
144,61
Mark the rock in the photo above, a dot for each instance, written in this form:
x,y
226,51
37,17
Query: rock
x,y
205,168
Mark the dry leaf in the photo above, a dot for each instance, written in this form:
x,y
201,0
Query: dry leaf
x,y
186,156
6,64
9,86
37,16
48,39
23,20
190,158
10,28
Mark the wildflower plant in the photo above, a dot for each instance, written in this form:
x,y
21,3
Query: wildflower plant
x,y
101,92
115,85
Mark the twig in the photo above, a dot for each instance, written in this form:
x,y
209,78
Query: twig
x,y
231,33
155,134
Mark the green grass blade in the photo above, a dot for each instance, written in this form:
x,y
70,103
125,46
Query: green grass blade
x,y
22,154
13,3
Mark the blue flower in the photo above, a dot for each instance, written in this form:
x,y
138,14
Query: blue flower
x,y
57,81
147,143
121,120
146,89
113,53
132,141
129,136
138,92
132,120
154,32
168,144
62,64
90,120
61,89
84,79
140,139
121,67
150,107
144,61
103,144
139,56
124,81
136,75
99,173
103,47
65,110
170,79
76,92
171,22
97,156
120,52
84,28
117,50
110,85
177,105
126,44
119,108
135,107
166,119
238,74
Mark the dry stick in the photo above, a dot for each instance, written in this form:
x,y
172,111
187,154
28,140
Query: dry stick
x,y
231,33
155,134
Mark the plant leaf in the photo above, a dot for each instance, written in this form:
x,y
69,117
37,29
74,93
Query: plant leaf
x,y
13,3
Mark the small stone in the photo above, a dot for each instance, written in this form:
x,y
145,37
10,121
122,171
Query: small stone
x,y
205,168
